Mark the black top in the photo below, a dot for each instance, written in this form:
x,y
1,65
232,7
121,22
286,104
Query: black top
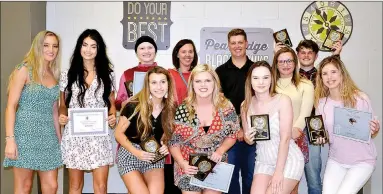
x,y
206,128
131,131
233,81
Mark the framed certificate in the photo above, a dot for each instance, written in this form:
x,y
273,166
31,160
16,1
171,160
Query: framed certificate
x,y
218,180
352,124
138,81
88,122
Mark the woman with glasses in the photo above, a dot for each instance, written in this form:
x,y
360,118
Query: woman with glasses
x,y
299,89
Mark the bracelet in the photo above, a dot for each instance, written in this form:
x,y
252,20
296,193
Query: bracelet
x,y
9,137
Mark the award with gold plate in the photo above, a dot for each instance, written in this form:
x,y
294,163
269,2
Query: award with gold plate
x,y
332,37
193,158
152,146
315,128
205,166
283,37
260,123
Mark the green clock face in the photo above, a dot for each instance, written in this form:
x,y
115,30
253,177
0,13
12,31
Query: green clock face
x,y
321,16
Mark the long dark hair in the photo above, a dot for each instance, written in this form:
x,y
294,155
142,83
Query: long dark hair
x,y
176,60
77,71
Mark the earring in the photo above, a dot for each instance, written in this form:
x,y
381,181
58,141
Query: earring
x,y
150,96
166,95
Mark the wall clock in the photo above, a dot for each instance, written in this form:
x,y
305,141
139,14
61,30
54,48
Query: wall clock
x,y
321,16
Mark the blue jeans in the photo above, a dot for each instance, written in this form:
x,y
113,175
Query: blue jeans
x,y
242,156
313,170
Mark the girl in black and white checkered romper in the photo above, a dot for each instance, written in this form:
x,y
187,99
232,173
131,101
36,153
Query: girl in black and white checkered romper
x,y
149,113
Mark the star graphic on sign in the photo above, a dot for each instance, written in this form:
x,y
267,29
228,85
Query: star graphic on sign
x,y
128,18
147,17
159,18
140,18
135,17
153,18
165,18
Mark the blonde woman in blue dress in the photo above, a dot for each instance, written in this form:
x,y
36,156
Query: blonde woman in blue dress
x,y
279,162
31,118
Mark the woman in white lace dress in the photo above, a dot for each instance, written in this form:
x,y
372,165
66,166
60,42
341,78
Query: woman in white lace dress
x,y
89,83
279,162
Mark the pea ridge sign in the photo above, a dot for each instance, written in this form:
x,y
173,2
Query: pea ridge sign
x,y
149,18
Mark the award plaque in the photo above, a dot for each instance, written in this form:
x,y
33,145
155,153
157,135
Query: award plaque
x,y
260,123
151,145
315,128
193,158
332,37
205,166
283,36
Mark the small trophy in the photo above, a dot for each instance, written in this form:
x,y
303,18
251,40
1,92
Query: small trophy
x,y
260,123
205,166
315,128
193,158
283,36
332,37
151,145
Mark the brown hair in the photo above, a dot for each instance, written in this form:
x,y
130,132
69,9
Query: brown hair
x,y
176,60
236,32
249,92
296,76
145,107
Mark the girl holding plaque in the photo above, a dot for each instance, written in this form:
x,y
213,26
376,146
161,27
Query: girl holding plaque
x,y
301,92
279,162
32,131
350,163
89,83
143,131
205,123
146,51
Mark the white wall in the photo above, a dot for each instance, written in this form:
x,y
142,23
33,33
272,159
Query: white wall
x,y
361,54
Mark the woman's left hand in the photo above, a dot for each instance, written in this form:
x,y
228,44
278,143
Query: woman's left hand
x,y
374,126
216,156
164,149
276,183
112,120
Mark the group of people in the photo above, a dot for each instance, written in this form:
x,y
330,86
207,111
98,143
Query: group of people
x,y
189,109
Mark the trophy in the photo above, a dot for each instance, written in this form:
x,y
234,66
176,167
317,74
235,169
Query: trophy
x,y
260,123
193,158
332,37
315,128
151,145
283,36
205,166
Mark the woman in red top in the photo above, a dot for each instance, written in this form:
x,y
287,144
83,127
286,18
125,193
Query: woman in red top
x,y
205,123
184,60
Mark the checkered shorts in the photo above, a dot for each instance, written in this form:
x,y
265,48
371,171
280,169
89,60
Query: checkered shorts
x,y
127,162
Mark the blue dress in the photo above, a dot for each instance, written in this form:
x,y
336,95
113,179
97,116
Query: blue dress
x,y
37,143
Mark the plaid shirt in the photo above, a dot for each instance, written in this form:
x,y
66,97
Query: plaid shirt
x,y
311,75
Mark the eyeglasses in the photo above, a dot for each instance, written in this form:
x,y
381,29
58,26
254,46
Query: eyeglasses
x,y
288,61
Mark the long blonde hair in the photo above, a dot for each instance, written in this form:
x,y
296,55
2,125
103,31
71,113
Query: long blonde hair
x,y
249,92
219,100
144,107
34,59
348,89
296,79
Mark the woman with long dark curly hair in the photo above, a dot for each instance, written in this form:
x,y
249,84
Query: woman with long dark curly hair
x,y
89,83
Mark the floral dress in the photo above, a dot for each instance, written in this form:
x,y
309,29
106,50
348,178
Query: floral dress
x,y
86,153
191,138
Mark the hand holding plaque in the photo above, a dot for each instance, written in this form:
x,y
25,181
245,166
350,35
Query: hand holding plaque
x,y
260,123
315,129
283,37
193,158
332,37
152,146
205,167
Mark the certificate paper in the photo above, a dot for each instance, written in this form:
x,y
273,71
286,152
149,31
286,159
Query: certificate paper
x,y
88,122
138,81
218,180
352,124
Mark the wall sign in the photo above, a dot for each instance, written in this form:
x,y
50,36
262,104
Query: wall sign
x,y
322,16
149,18
214,45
